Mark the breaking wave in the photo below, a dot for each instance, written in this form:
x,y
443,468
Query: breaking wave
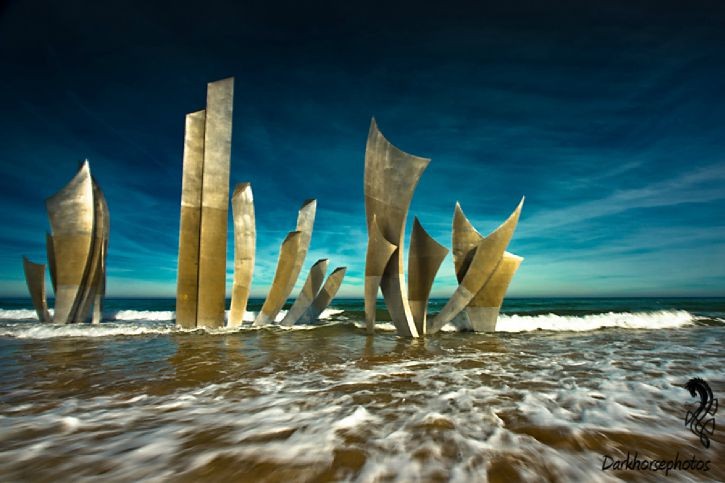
x,y
137,315
25,330
141,315
19,314
662,319
22,323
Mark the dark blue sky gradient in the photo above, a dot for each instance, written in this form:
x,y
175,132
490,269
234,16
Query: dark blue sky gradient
x,y
609,116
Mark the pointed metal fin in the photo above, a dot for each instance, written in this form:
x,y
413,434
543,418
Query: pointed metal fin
x,y
378,254
308,293
283,281
35,279
424,260
488,255
325,296
245,234
391,176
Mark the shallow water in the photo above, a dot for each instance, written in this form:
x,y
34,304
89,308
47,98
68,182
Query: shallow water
x,y
546,399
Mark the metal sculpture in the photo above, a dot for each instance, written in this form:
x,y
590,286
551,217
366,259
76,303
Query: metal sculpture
x,y
244,246
308,293
424,260
391,176
51,259
187,286
378,254
76,249
325,296
70,211
215,204
482,312
94,284
201,284
101,292
201,274
35,278
289,264
282,283
102,232
483,262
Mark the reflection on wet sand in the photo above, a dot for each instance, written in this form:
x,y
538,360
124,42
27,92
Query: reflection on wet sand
x,y
61,368
201,360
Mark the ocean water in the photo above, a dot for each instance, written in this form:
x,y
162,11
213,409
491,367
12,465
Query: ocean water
x,y
561,386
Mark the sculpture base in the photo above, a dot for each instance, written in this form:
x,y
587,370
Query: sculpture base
x,y
477,319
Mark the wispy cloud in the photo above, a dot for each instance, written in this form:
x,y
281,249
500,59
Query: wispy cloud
x,y
611,128
699,186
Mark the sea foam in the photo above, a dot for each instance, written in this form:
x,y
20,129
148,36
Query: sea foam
x,y
662,319
22,323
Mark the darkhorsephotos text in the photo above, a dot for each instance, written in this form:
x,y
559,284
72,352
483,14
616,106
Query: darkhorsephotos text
x,y
636,464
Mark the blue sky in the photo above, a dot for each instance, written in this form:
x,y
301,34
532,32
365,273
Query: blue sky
x,y
609,116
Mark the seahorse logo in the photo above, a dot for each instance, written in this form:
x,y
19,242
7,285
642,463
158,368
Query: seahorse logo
x,y
696,419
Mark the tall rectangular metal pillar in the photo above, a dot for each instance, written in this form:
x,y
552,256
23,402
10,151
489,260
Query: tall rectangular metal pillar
x,y
200,298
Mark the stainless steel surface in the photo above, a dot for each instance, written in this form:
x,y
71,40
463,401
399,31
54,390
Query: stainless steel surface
x,y
487,256
308,293
465,241
283,281
71,214
201,282
77,247
378,254
391,176
245,235
482,312
424,259
282,286
190,224
211,295
35,279
94,276
305,224
477,319
100,289
51,259
325,296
